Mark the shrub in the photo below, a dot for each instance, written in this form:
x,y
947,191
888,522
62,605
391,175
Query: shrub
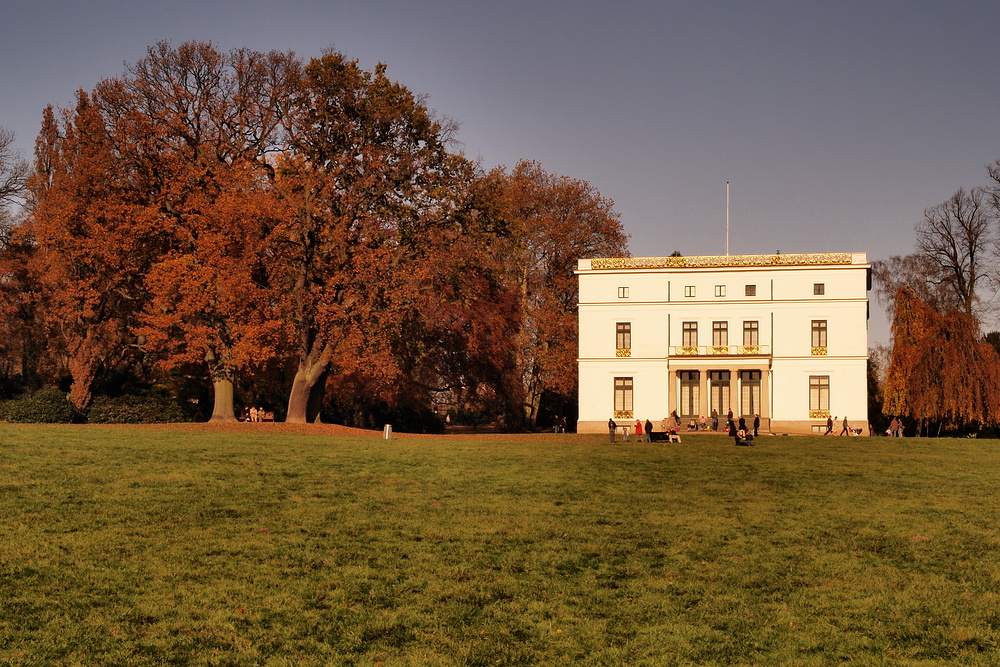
x,y
152,408
48,405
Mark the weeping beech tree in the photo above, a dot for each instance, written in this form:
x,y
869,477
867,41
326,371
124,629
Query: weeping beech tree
x,y
941,369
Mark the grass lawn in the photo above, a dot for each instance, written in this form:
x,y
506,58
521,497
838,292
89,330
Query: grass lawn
x,y
157,546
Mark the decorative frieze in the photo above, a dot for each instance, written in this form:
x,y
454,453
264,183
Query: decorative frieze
x,y
719,261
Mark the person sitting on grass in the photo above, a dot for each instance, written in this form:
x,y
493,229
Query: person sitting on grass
x,y
744,438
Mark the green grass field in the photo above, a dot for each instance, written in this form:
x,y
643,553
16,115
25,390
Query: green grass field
x,y
149,546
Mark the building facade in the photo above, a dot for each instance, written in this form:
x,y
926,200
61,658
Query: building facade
x,y
784,337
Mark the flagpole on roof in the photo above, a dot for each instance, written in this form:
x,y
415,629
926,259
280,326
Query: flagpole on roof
x,y
727,218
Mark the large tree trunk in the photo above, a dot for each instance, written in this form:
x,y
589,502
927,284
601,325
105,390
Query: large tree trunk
x,y
222,387
302,400
314,409
223,409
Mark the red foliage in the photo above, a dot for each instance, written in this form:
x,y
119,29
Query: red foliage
x,y
941,367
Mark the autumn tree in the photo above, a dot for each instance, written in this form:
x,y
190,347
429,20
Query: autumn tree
x,y
198,128
151,203
94,237
941,369
369,183
551,221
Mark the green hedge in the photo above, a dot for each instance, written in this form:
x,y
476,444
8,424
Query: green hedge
x,y
135,409
48,405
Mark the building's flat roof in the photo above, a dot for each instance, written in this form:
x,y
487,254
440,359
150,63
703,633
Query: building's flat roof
x,y
721,261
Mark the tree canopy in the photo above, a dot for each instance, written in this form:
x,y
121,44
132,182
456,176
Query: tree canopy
x,y
251,214
941,369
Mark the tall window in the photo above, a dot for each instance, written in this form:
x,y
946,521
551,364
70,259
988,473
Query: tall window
x,y
623,398
819,336
819,396
749,393
750,334
719,391
622,292
690,393
689,334
623,338
720,333
720,290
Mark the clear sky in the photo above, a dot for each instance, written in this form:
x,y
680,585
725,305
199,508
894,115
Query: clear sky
x,y
836,123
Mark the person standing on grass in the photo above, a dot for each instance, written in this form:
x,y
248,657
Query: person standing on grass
x,y
829,425
756,425
612,427
847,429
715,419
649,431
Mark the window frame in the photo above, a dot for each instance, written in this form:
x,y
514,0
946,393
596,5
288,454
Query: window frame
x,y
819,333
720,333
753,331
689,334
819,394
624,396
623,335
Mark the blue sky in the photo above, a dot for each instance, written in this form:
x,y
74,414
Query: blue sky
x,y
836,123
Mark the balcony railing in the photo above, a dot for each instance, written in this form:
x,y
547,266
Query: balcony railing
x,y
623,352
819,350
720,350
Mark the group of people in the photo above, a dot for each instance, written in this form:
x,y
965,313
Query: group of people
x,y
643,431
846,430
253,414
671,428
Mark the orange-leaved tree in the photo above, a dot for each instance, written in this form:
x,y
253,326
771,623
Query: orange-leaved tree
x,y
941,369
549,222
369,185
94,239
197,128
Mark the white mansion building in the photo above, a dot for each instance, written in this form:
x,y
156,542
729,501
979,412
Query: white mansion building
x,y
781,336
